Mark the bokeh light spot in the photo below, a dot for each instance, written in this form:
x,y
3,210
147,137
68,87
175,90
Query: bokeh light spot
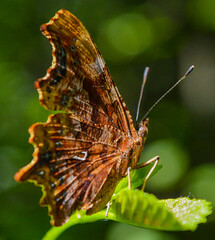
x,y
174,160
129,34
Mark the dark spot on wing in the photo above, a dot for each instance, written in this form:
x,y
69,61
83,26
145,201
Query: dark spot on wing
x,y
55,80
48,90
76,61
72,48
52,168
61,60
58,154
45,157
46,146
61,180
64,100
58,144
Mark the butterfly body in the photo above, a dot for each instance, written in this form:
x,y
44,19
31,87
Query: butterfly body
x,y
83,152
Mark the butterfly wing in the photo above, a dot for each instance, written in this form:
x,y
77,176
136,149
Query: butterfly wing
x,y
78,80
79,155
72,161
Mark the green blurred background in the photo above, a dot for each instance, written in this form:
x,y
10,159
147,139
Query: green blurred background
x,y
168,36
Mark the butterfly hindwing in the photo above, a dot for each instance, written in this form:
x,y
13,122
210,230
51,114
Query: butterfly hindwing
x,y
72,161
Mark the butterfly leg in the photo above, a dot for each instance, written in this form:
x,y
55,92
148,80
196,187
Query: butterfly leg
x,y
155,160
107,210
129,177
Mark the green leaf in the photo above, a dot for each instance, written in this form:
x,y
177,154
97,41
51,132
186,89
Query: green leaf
x,y
141,209
189,212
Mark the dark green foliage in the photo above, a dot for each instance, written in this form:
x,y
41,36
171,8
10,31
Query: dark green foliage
x,y
168,36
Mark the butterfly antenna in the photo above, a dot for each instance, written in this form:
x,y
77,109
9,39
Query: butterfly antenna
x,y
181,79
145,74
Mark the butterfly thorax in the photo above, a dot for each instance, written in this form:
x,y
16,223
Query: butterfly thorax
x,y
131,149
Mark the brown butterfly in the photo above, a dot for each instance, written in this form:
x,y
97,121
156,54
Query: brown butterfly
x,y
82,153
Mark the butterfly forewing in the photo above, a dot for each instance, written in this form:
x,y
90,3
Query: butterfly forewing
x,y
79,80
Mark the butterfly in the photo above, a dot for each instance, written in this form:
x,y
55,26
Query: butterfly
x,y
82,152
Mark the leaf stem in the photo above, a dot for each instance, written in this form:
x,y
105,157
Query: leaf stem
x,y
77,218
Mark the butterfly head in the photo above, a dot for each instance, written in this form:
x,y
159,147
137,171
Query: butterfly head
x,y
143,129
